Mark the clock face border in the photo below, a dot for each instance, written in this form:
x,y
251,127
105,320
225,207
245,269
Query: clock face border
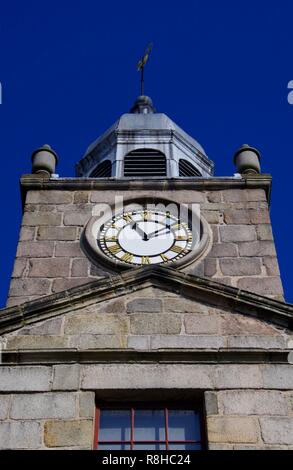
x,y
91,245
123,238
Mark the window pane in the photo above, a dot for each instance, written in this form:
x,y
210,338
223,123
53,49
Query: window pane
x,y
114,425
149,447
184,447
113,447
149,425
184,425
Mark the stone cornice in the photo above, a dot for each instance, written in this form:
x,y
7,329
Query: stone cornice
x,y
252,181
47,357
200,289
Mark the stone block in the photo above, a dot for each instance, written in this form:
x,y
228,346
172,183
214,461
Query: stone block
x,y
212,217
20,435
28,287
87,405
259,342
232,429
277,430
214,196
237,217
201,324
259,216
4,406
96,323
25,378
210,267
240,266
27,233
222,250
66,377
272,267
215,232
138,343
36,342
236,324
240,376
257,248
234,195
278,376
81,197
68,433
187,342
256,195
253,402
49,197
41,218
48,327
261,286
70,249
237,233
60,285
80,267
56,233
43,405
110,306
49,267
77,218
264,232
144,305
85,342
152,376
36,249
19,267
152,323
211,403
184,305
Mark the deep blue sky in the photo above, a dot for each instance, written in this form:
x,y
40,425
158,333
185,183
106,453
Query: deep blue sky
x,y
220,69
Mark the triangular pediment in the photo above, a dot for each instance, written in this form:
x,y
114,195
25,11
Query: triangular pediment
x,y
198,291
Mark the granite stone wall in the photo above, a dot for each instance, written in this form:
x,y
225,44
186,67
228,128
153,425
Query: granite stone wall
x,y
49,258
45,404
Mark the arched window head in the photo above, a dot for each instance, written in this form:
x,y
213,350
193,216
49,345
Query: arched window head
x,y
103,170
145,162
187,169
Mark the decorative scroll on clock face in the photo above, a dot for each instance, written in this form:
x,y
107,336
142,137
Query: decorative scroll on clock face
x,y
145,237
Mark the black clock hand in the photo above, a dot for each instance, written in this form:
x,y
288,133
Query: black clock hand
x,y
140,231
156,232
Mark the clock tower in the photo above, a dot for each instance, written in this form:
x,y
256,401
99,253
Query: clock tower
x,y
146,308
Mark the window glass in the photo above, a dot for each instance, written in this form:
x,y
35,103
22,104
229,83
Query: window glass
x,y
114,425
149,425
183,425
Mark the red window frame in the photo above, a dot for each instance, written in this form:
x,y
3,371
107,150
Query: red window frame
x,y
145,406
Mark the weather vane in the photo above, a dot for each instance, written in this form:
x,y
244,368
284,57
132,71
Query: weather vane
x,y
141,64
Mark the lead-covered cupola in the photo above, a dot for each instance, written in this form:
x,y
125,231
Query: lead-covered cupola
x,y
145,144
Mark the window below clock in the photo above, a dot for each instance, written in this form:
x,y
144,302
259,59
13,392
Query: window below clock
x,y
142,426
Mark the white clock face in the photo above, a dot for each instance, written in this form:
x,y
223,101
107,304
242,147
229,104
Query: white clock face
x,y
145,237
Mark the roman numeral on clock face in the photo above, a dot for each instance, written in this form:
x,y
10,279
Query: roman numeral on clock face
x,y
145,260
114,248
111,239
164,257
127,217
127,257
176,249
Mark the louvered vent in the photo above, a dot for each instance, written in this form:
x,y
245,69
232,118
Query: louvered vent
x,y
103,170
187,169
145,162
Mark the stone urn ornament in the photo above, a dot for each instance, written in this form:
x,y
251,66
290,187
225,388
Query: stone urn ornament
x,y
247,160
